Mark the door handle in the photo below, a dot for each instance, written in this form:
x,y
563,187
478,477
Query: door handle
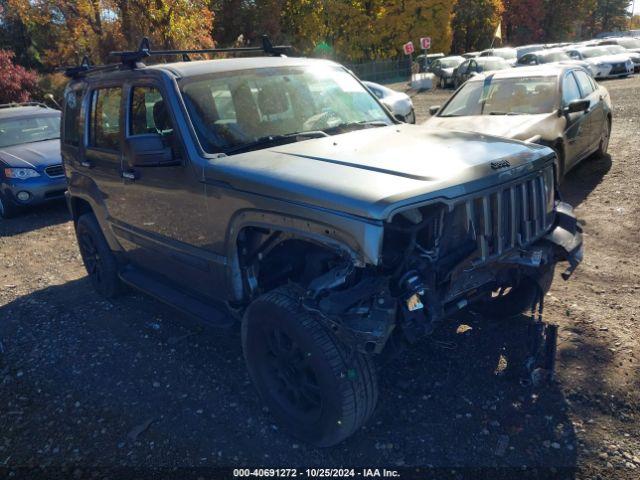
x,y
129,175
86,164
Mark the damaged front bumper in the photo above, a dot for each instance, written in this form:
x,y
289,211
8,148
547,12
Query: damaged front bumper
x,y
566,238
363,307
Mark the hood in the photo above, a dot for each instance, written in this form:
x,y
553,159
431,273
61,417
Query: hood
x,y
617,58
520,127
370,173
36,155
448,72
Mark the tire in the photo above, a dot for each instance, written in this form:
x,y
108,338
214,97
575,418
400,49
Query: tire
x,y
443,84
99,260
603,147
7,208
319,390
516,300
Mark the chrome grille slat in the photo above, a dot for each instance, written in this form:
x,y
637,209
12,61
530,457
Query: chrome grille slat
x,y
509,218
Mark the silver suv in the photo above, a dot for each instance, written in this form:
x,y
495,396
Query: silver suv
x,y
280,193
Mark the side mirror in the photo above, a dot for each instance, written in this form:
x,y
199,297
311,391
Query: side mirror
x,y
577,106
434,109
149,150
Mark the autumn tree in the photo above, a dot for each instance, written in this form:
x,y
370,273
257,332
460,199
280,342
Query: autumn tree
x,y
96,27
16,82
606,16
474,23
523,21
563,19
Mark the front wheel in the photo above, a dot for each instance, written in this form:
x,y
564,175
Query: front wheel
x,y
315,386
443,83
7,208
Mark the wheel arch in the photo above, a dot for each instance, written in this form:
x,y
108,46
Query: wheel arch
x,y
253,235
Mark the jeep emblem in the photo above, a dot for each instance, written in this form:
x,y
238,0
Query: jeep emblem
x,y
500,164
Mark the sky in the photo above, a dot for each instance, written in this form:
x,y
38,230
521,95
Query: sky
x,y
636,10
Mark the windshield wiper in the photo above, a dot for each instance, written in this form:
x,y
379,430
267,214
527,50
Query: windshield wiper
x,y
269,140
507,113
362,124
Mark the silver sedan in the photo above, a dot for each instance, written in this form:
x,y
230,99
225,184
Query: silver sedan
x,y
398,103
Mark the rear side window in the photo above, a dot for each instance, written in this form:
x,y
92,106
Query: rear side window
x,y
570,91
149,112
104,131
72,118
585,83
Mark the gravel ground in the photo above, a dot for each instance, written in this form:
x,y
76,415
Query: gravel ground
x,y
86,383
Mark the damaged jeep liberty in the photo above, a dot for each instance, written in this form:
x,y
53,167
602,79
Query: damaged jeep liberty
x,y
279,193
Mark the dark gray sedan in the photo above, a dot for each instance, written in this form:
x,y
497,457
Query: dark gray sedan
x,y
31,170
559,106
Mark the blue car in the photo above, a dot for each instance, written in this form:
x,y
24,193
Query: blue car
x,y
31,171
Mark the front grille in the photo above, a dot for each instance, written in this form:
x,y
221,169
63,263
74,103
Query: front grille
x,y
618,68
54,194
55,171
512,217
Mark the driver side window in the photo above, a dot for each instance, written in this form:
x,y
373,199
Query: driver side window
x,y
570,90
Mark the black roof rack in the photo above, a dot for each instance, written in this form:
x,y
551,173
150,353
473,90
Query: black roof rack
x,y
133,59
23,104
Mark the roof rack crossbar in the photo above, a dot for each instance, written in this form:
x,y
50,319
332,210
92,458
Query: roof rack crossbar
x,y
144,51
23,104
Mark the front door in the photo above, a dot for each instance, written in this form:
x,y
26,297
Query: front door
x,y
163,220
578,130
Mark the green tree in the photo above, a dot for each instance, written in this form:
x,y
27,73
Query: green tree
x,y
474,23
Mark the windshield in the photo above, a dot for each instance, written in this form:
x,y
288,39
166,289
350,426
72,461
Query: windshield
x,y
246,108
555,57
594,52
451,62
629,42
615,49
490,65
509,96
506,53
20,130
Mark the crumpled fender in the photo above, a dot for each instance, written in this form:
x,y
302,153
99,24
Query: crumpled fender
x,y
566,237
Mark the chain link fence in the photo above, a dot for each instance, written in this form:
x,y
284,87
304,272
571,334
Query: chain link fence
x,y
383,71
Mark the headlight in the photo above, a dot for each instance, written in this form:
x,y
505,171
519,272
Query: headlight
x,y
20,173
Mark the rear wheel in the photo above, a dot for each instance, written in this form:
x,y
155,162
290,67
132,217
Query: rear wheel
x,y
604,140
99,260
316,387
513,300
7,208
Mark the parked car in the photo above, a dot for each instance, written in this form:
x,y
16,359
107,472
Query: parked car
x,y
629,43
524,49
475,66
551,56
277,191
618,50
603,63
425,61
399,103
443,69
30,166
560,106
510,55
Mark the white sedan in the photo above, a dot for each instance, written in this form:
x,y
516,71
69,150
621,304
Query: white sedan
x,y
603,64
399,103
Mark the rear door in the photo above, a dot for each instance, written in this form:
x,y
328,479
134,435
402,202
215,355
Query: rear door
x,y
103,150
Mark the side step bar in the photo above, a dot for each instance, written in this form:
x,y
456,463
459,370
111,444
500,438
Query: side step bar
x,y
188,304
